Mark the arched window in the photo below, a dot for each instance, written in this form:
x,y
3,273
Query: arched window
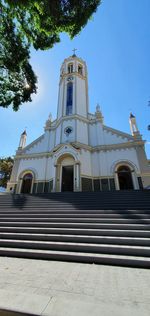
x,y
69,98
80,69
70,68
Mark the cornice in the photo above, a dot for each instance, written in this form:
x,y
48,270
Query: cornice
x,y
109,147
145,174
70,58
71,117
75,73
77,146
118,146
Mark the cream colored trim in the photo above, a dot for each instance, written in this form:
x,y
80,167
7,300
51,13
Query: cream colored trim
x,y
98,177
9,182
70,58
42,180
86,176
20,179
145,174
108,147
93,121
72,74
123,162
133,170
81,146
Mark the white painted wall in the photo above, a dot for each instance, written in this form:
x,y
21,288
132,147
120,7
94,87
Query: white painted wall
x,y
95,164
85,159
92,135
107,159
51,143
71,137
81,106
50,169
124,154
58,135
37,165
111,138
38,146
82,132
60,100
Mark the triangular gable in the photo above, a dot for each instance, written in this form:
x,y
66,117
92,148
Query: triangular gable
x,y
113,136
38,145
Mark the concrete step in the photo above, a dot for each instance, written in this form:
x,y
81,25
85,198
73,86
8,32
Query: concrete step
x,y
76,220
76,225
73,205
89,207
92,198
103,227
118,260
79,231
74,213
142,251
77,238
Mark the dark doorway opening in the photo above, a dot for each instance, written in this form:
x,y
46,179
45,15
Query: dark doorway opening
x,y
125,178
27,183
67,178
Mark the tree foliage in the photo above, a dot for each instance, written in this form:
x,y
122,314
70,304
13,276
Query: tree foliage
x,y
37,23
17,79
6,165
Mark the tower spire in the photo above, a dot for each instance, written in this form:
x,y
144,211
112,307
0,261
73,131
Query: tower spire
x,y
133,126
23,138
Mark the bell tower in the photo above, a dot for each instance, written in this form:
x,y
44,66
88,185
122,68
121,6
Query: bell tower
x,y
73,88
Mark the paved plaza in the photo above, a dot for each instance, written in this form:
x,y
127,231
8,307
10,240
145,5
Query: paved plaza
x,y
73,289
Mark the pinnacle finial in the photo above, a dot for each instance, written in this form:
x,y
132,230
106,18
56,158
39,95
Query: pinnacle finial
x,y
131,115
24,132
50,116
74,52
97,107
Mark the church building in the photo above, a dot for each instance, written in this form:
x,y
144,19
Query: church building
x,y
77,151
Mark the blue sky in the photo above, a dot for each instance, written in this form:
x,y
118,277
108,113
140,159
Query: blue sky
x,y
116,47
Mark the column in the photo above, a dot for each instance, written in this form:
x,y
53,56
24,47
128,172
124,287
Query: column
x,y
77,177
117,181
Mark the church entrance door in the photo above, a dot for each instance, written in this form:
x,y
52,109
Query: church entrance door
x,y
125,178
67,178
27,183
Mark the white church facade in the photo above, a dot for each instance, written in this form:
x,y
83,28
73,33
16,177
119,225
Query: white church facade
x,y
77,152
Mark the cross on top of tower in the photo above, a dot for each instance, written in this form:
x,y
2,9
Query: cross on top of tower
x,y
74,52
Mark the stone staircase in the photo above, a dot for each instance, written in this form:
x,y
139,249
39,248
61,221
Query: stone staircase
x,y
93,227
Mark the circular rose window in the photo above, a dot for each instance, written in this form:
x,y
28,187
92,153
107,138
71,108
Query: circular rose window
x,y
68,130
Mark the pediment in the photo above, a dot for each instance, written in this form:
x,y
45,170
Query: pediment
x,y
65,149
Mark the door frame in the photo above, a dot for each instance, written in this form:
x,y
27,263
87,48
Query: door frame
x,y
20,182
61,171
133,170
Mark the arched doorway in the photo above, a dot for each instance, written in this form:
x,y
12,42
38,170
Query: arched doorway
x,y
125,178
67,173
27,183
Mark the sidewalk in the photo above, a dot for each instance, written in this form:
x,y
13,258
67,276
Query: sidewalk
x,y
73,289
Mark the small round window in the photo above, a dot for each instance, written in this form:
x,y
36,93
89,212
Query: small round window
x,y
68,130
